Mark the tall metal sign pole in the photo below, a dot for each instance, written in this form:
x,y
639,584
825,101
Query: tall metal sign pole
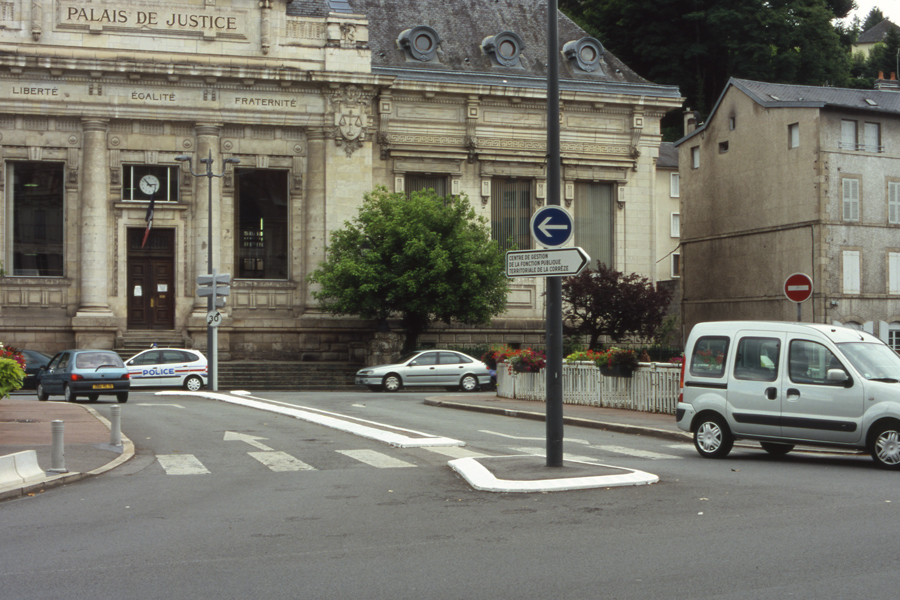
x,y
554,284
212,339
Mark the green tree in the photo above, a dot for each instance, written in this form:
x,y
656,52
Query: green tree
x,y
699,44
423,258
607,302
874,17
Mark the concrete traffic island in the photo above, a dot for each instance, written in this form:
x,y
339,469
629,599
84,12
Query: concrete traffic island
x,y
529,474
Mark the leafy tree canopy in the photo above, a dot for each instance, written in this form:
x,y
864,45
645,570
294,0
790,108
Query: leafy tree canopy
x,y
607,302
424,258
874,17
699,44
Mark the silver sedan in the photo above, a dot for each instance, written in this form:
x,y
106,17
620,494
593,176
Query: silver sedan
x,y
432,368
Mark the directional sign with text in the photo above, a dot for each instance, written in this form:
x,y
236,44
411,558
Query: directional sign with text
x,y
552,226
553,262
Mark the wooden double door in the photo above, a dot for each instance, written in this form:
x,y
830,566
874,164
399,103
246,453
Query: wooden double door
x,y
151,279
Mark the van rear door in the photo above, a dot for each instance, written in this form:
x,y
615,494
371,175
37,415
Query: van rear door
x,y
754,393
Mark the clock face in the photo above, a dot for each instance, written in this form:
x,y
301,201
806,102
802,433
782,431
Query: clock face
x,y
149,184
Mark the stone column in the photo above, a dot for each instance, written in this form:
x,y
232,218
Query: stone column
x,y
207,143
95,241
314,219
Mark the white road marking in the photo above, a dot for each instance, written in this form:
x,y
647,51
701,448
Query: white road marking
x,y
636,453
181,464
536,439
456,452
281,462
250,439
158,404
376,459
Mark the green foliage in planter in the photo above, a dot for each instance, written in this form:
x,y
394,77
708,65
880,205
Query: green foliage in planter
x,y
12,376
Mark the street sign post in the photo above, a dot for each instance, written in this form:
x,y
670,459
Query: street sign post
x,y
798,288
552,226
552,262
214,288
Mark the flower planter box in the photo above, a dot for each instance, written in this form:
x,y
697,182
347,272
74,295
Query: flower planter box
x,y
616,371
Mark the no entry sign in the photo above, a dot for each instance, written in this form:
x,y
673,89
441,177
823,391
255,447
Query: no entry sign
x,y
798,287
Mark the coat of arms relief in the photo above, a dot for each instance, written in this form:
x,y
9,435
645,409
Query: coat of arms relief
x,y
352,109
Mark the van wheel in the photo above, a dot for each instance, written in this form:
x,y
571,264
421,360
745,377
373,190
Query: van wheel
x,y
885,446
776,449
712,437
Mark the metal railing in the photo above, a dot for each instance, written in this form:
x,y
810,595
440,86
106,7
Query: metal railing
x,y
652,388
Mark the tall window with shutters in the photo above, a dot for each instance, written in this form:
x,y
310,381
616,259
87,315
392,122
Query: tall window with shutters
x,y
595,221
893,272
850,189
894,202
511,209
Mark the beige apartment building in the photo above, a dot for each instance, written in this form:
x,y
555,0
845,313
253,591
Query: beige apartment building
x,y
785,179
319,101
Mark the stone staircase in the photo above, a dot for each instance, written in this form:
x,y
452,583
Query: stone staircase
x,y
136,341
286,376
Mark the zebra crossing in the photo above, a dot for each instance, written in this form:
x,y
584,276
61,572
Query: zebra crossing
x,y
282,462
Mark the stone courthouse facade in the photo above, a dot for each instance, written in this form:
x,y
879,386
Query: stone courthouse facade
x,y
321,101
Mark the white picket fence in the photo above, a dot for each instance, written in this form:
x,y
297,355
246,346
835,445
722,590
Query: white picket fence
x,y
652,388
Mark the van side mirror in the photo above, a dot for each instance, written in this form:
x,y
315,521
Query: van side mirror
x,y
838,377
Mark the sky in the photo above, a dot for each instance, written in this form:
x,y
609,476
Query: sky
x,y
890,9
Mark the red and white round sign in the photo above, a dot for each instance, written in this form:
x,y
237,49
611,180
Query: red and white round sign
x,y
798,287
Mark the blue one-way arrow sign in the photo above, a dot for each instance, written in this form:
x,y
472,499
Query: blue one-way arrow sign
x,y
552,226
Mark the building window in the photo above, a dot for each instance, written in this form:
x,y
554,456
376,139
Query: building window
x,y
595,221
416,183
731,122
848,135
35,231
511,210
723,147
794,135
851,199
894,336
675,225
893,272
676,264
893,201
851,271
695,157
872,137
674,185
261,221
160,182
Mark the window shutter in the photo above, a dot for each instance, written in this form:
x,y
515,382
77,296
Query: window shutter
x,y
893,202
851,271
851,199
894,272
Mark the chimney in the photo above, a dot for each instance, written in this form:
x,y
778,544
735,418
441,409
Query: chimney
x,y
690,120
887,85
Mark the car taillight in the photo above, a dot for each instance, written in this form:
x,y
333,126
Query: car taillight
x,y
126,376
76,377
681,383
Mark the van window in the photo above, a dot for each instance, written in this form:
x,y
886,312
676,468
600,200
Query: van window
x,y
708,358
810,361
757,359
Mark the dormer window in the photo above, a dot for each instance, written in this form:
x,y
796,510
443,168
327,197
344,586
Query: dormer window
x,y
585,53
504,48
420,43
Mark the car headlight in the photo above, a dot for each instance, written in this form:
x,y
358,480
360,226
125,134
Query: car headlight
x,y
364,373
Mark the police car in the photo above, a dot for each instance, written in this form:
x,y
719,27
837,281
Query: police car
x,y
168,367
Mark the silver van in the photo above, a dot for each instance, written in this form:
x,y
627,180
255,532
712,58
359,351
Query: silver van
x,y
790,383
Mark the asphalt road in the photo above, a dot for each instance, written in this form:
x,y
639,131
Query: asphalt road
x,y
288,509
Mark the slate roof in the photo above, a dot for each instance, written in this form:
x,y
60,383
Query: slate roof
x,y
780,95
668,156
462,26
877,33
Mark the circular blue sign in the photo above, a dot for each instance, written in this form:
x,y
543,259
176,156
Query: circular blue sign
x,y
552,226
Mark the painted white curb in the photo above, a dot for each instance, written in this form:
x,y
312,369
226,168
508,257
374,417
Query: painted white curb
x,y
481,479
338,422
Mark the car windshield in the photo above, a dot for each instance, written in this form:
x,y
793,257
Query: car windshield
x,y
95,360
873,361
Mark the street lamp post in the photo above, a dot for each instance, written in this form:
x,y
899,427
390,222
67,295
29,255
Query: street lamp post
x,y
212,350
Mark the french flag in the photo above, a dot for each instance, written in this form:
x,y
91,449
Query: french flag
x,y
149,219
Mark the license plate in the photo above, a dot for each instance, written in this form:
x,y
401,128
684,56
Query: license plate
x,y
103,386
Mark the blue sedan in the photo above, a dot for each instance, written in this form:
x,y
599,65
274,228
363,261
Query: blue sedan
x,y
85,373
